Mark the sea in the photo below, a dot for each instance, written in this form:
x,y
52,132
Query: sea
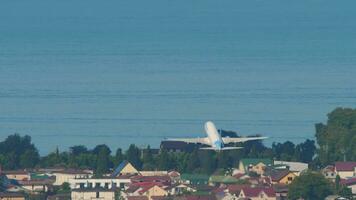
x,y
120,72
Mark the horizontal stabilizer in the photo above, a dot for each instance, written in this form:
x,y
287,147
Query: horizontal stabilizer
x,y
222,149
228,140
204,140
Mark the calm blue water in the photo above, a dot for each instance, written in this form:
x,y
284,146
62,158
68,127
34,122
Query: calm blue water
x,y
121,72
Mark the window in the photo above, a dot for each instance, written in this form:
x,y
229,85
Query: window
x,y
290,178
97,185
107,185
97,195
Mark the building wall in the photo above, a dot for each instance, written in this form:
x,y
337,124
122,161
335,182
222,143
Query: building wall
x,y
12,198
63,177
288,179
129,169
36,188
259,168
18,177
92,195
75,183
346,174
353,189
262,196
155,191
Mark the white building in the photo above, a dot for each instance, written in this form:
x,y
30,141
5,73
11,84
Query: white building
x,y
107,183
63,176
295,167
93,194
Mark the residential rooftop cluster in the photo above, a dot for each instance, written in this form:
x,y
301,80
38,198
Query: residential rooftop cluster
x,y
253,178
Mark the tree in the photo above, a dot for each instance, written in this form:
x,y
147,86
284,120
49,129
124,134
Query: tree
x,y
336,138
164,161
29,158
78,149
13,149
147,159
305,151
208,161
103,162
309,186
133,155
193,162
119,157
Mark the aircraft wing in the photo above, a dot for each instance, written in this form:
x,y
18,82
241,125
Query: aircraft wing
x,y
191,140
228,140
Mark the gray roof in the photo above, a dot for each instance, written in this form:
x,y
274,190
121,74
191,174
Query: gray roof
x,y
293,166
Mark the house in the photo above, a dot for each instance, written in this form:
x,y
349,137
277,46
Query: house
x,y
345,169
195,179
281,191
93,194
153,173
61,196
181,188
137,198
257,193
217,180
257,165
145,189
295,167
350,183
37,186
66,175
11,196
175,176
105,182
281,176
165,180
18,175
329,172
125,168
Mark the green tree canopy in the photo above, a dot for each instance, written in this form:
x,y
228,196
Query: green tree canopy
x,y
337,138
309,186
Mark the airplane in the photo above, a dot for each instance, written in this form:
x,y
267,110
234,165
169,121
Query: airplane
x,y
214,139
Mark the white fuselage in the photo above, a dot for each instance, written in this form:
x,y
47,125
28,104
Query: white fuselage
x,y
213,135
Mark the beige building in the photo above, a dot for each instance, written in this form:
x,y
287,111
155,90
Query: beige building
x,y
154,191
257,194
18,175
282,177
93,194
125,168
108,183
345,169
254,165
11,196
63,176
36,186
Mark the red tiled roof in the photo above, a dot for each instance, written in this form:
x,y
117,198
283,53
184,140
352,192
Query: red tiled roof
x,y
199,197
174,174
137,198
239,175
147,187
350,181
236,189
255,192
345,166
151,179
